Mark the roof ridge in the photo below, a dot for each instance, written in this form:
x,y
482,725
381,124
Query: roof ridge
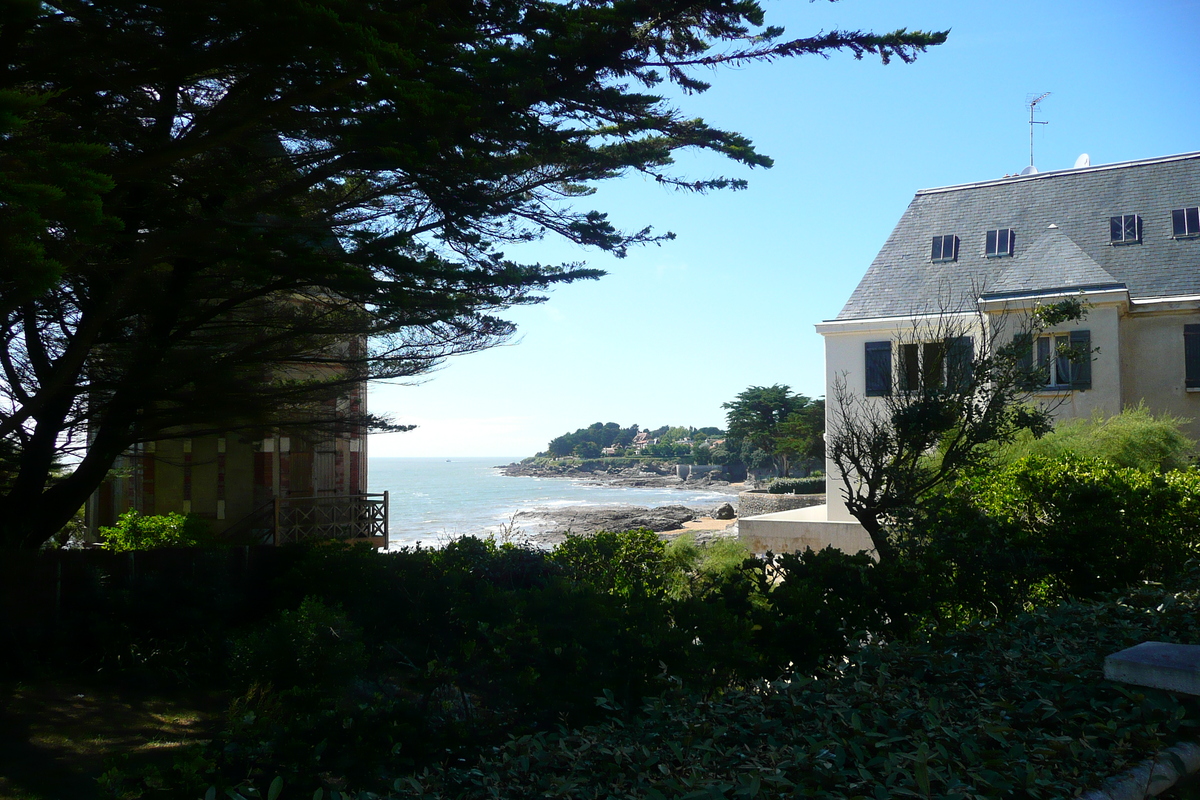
x,y
1009,179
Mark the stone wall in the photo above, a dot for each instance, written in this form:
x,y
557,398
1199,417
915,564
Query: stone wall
x,y
753,503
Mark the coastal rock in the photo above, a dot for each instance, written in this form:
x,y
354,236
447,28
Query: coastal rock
x,y
724,511
552,524
652,475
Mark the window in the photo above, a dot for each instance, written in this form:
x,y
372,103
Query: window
x,y
1125,229
878,364
1191,355
945,248
1000,242
934,365
1185,222
1060,360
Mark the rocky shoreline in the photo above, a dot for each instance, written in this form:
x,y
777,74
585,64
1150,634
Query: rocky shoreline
x,y
646,475
549,526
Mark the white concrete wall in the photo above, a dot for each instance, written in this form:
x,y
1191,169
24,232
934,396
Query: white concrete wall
x,y
803,528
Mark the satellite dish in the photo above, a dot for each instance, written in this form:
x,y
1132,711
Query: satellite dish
x,y
1030,170
1083,161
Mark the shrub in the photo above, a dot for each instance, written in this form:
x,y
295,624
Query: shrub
x,y
134,531
314,646
1020,709
633,562
1041,530
1134,438
796,486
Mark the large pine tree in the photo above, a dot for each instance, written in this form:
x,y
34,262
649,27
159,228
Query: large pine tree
x,y
171,174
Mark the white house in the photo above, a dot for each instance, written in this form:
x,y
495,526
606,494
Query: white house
x,y
1123,237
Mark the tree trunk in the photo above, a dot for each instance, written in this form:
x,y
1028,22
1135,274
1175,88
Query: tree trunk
x,y
37,507
879,537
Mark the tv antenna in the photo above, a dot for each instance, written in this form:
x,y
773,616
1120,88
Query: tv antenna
x,y
1032,106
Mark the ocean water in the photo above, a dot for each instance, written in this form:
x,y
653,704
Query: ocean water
x,y
432,500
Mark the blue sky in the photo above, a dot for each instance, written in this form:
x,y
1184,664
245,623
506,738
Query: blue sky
x,y
674,331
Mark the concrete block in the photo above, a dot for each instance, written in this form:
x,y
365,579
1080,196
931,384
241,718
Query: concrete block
x,y
1159,665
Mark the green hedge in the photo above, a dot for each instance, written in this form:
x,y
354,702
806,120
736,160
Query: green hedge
x,y
797,486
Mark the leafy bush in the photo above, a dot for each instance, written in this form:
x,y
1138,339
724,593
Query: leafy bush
x,y
620,564
1041,530
313,646
824,605
997,711
134,531
797,486
1134,438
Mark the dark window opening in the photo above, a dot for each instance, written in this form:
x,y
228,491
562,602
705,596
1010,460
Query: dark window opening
x,y
1125,229
945,248
1000,242
960,362
934,365
1185,222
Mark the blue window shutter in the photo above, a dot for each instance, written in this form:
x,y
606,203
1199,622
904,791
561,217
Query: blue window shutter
x,y
878,364
1081,364
960,357
1023,342
1191,355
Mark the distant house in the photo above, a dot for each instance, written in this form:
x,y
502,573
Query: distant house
x,y
641,440
272,486
1124,238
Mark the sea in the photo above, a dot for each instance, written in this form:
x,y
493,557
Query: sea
x,y
434,500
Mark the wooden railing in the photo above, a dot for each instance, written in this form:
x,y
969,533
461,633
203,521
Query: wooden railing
x,y
286,520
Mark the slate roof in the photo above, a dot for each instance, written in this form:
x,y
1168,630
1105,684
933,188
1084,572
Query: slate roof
x,y
1075,254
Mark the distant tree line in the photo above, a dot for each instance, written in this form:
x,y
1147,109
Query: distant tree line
x,y
769,427
667,442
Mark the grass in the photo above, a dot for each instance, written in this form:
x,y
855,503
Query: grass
x,y
57,738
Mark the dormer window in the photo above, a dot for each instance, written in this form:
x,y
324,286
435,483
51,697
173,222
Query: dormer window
x,y
1000,243
1125,229
1185,222
945,248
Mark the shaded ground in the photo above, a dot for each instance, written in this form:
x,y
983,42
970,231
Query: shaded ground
x,y
57,738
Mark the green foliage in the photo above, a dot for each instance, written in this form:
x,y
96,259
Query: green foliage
x,y
1041,530
1134,438
588,442
135,531
173,176
796,486
824,604
620,564
997,711
314,646
772,426
694,569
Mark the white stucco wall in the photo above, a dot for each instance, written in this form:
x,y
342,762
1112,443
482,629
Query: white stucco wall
x,y
1107,320
1103,320
1152,359
844,360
